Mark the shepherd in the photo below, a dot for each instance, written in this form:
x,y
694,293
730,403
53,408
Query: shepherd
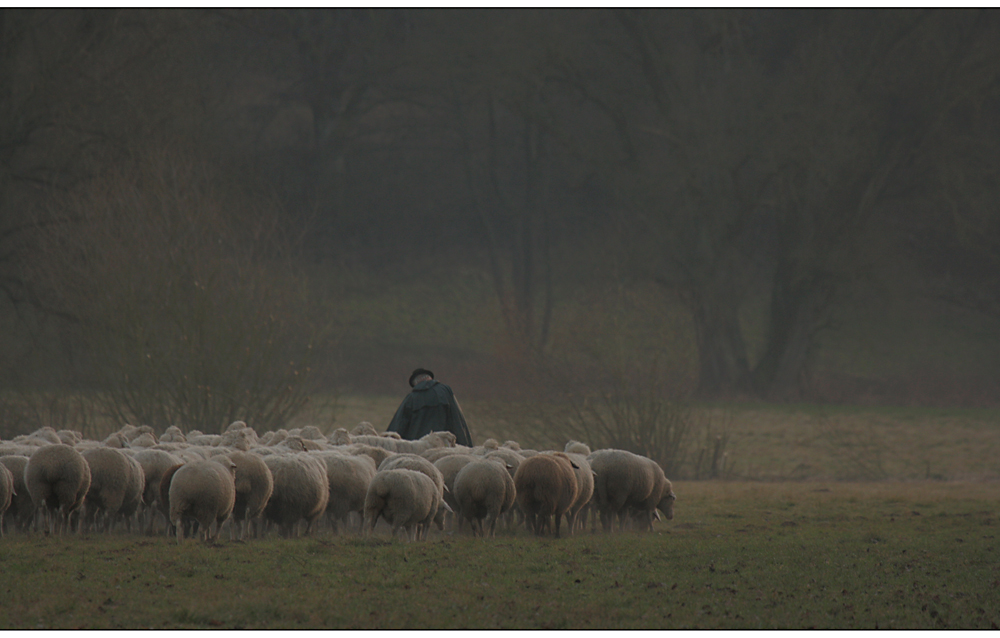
x,y
430,406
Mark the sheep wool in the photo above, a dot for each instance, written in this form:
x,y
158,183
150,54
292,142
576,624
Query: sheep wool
x,y
21,510
205,491
254,485
406,499
349,477
57,478
484,490
6,493
301,491
546,487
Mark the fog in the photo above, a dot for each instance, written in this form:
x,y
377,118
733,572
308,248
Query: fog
x,y
205,212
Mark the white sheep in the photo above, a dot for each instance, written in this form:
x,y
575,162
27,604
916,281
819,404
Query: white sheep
x,y
58,478
112,484
22,509
205,491
154,464
349,476
301,491
173,434
546,487
585,487
625,483
484,490
575,447
254,486
406,499
449,466
6,493
420,464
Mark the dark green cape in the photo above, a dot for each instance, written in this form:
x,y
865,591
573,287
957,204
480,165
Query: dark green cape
x,y
430,407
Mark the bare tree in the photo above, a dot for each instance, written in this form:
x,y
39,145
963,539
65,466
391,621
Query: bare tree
x,y
183,296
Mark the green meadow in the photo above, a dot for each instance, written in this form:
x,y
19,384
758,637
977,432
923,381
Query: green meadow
x,y
738,555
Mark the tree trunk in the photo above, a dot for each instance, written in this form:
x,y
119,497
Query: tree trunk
x,y
722,358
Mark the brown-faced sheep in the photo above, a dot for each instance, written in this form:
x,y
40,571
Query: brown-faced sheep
x,y
406,499
546,487
58,478
204,491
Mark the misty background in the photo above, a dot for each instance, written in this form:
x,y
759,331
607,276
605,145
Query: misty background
x,y
209,215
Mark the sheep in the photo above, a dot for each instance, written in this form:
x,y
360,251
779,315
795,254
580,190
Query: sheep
x,y
154,464
254,485
484,489
512,445
22,509
424,443
436,453
377,454
512,460
241,439
349,477
450,466
420,464
301,490
173,434
364,428
546,486
312,433
143,441
57,477
135,489
626,482
6,493
205,491
585,484
575,447
212,440
113,484
404,498
69,437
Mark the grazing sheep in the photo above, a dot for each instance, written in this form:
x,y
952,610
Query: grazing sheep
x,y
406,499
377,454
512,445
575,447
6,493
312,433
420,464
585,484
112,484
625,482
240,439
254,485
22,509
163,501
154,464
546,486
364,429
173,434
349,477
449,466
143,441
69,437
58,478
401,446
205,491
301,490
484,490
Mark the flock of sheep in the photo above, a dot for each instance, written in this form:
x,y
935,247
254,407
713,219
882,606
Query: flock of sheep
x,y
186,484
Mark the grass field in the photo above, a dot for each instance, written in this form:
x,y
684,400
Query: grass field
x,y
737,555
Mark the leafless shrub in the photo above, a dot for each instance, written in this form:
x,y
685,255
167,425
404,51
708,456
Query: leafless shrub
x,y
184,296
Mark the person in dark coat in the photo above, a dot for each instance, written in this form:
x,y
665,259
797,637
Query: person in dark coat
x,y
430,407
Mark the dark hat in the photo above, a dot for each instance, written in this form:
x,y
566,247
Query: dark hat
x,y
418,372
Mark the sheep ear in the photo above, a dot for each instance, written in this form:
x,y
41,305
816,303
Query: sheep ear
x,y
575,466
447,507
656,515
